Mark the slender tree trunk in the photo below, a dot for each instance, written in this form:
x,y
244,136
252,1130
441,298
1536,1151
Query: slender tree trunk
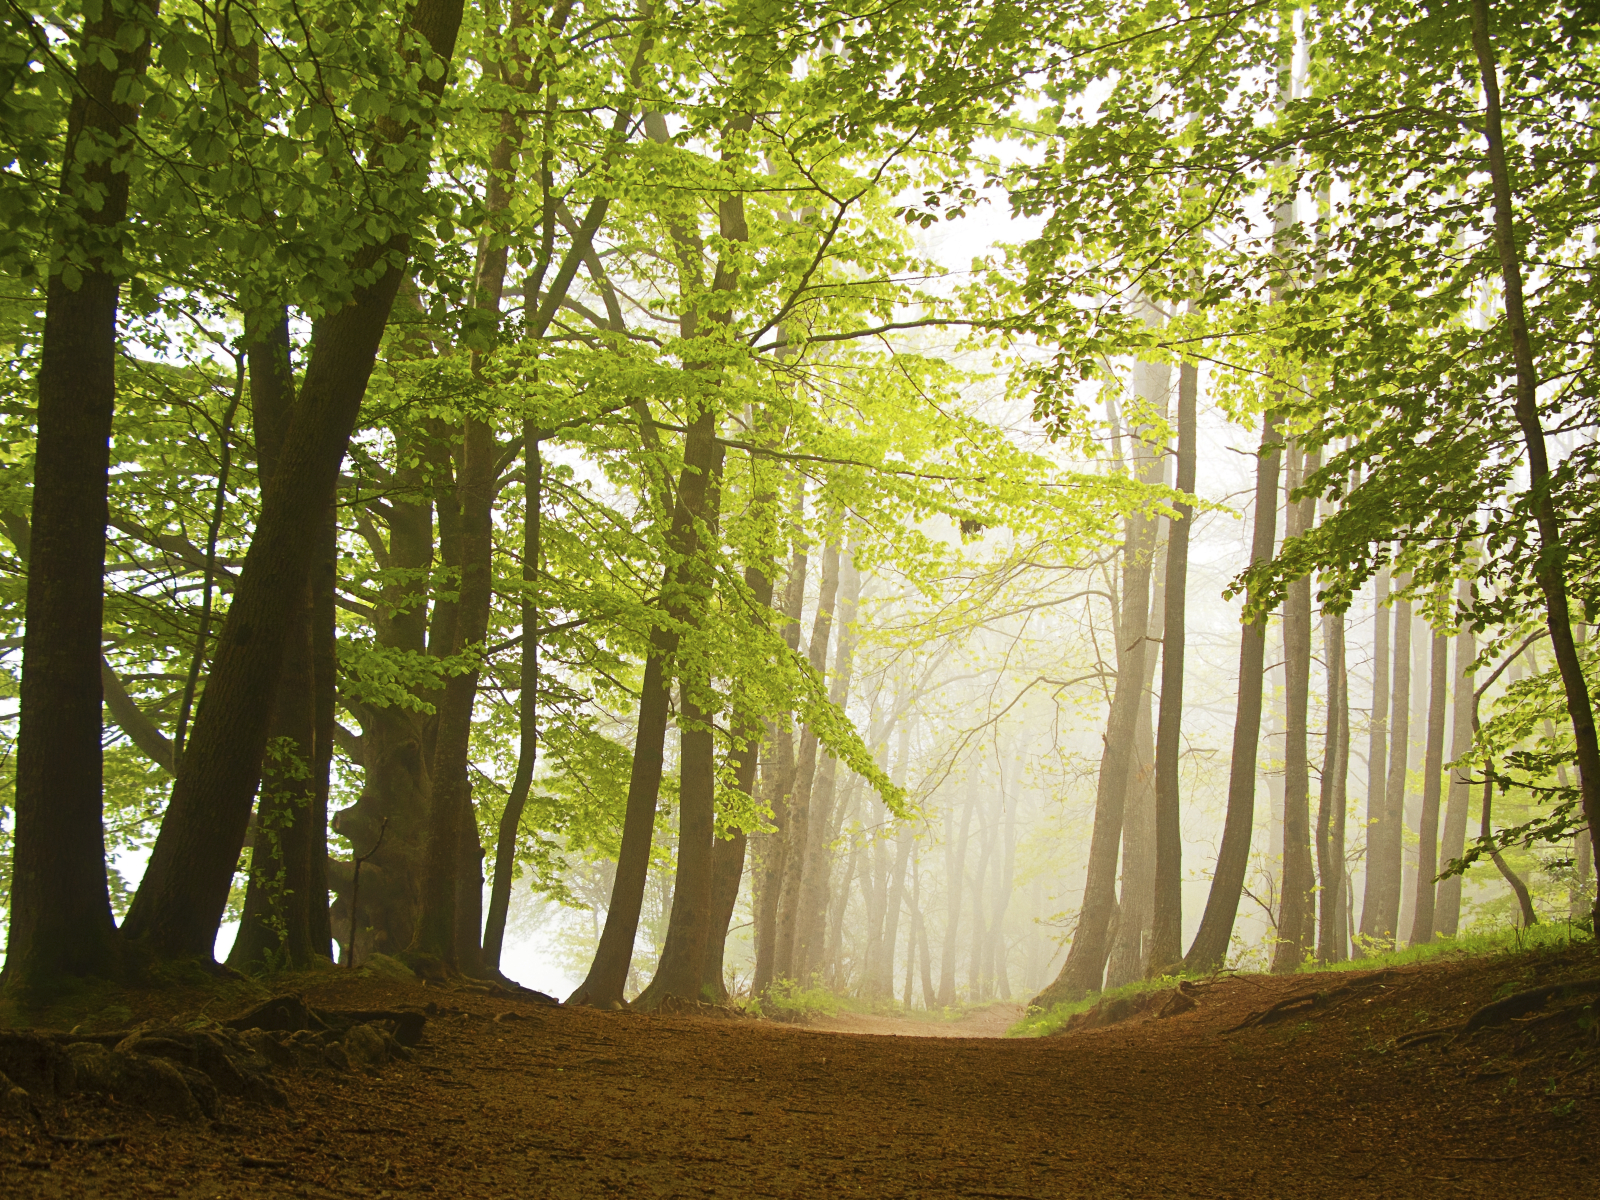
x,y
325,671
930,997
1210,946
811,930
954,873
1377,756
608,973
1447,916
1332,944
1166,928
786,963
185,887
1084,970
1384,841
61,921
977,982
1552,548
1432,788
779,787
1297,922
1129,951
505,854
883,985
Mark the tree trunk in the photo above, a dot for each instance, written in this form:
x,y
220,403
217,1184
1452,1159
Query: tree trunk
x,y
1130,949
325,674
954,872
786,964
779,787
1384,839
1210,946
727,854
1166,926
505,853
1297,920
608,973
1447,916
812,928
1552,549
61,921
1332,943
185,888
275,927
1377,755
1084,970
1432,787
450,808
977,981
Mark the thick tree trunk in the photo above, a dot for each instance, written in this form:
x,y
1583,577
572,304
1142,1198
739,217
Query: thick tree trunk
x,y
1297,920
1166,925
727,855
450,805
275,927
186,882
325,674
61,921
1377,756
1384,839
1447,915
1432,788
1210,946
1552,549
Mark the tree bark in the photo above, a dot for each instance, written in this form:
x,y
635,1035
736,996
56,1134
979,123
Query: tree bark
x,y
1384,840
608,973
1377,756
1332,943
1084,970
1552,548
954,871
1210,946
505,853
185,888
61,922
1297,919
1447,915
779,787
786,958
812,928
1423,912
1166,928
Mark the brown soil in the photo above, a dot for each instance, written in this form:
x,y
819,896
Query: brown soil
x,y
506,1099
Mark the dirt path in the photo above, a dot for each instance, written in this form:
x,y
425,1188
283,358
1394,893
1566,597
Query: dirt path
x,y
991,1021
575,1104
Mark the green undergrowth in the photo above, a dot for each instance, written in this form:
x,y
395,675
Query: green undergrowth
x,y
1043,1022
1551,936
1548,938
791,1002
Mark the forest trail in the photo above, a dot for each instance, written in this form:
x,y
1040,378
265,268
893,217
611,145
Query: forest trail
x,y
508,1099
990,1021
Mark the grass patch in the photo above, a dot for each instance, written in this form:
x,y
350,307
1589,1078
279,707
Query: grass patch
x,y
789,1001
1042,1023
1550,937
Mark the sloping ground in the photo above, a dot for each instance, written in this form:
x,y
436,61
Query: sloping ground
x,y
507,1099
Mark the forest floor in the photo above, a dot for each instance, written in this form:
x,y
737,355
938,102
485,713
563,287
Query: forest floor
x,y
505,1098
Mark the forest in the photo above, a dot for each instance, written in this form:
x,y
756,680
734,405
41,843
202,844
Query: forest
x,y
777,503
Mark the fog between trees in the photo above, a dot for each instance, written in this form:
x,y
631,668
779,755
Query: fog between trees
x,y
540,460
